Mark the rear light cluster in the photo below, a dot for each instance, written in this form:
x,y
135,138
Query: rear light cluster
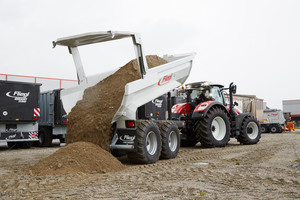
x,y
130,124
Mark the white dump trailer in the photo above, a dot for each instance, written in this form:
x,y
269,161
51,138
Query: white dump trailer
x,y
144,140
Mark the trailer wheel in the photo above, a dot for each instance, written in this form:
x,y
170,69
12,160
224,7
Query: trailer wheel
x,y
250,131
213,129
274,129
170,140
45,137
148,146
264,129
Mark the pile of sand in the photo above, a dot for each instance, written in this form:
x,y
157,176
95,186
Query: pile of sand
x,y
77,157
90,122
90,119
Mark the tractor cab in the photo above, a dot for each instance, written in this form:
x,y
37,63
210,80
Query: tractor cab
x,y
196,93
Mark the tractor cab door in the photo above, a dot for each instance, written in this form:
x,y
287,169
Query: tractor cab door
x,y
217,94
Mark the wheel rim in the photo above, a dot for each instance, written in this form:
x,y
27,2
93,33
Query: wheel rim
x,y
252,130
273,129
218,128
151,143
173,141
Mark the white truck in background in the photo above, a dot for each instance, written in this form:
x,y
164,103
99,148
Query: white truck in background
x,y
274,121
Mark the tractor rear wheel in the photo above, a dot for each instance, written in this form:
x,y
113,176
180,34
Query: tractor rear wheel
x,y
170,139
148,143
213,129
250,131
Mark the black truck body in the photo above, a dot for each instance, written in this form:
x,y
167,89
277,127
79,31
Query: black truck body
x,y
19,112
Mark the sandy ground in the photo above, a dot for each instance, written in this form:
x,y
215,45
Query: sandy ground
x,y
267,170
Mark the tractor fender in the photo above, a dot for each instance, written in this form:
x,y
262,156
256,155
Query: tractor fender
x,y
240,117
202,109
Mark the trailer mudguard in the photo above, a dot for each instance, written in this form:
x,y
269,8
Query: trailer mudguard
x,y
124,139
202,109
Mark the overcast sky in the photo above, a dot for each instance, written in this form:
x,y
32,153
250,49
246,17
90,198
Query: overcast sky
x,y
254,43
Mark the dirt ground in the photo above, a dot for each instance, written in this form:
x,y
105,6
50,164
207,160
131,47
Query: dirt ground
x,y
268,170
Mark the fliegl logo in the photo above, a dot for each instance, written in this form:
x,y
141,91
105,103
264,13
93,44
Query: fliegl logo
x,y
127,139
18,96
164,80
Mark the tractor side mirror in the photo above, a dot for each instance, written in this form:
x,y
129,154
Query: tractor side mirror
x,y
233,88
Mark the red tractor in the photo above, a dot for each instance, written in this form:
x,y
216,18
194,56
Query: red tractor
x,y
209,120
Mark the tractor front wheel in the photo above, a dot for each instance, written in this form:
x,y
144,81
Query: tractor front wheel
x,y
250,131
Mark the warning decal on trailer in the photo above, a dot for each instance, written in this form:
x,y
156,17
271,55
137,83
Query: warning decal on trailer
x,y
36,112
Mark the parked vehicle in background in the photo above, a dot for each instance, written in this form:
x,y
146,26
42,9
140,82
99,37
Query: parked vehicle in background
x,y
19,112
274,121
53,119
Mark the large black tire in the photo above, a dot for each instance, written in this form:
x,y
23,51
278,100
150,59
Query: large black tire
x,y
213,130
149,144
45,137
274,129
250,131
170,137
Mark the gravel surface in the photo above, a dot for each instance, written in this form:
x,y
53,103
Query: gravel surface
x,y
267,170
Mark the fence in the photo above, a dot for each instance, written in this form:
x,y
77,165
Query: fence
x,y
47,83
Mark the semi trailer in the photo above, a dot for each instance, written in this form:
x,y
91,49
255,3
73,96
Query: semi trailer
x,y
146,137
19,112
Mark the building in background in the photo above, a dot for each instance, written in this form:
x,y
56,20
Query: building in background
x,y
292,106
